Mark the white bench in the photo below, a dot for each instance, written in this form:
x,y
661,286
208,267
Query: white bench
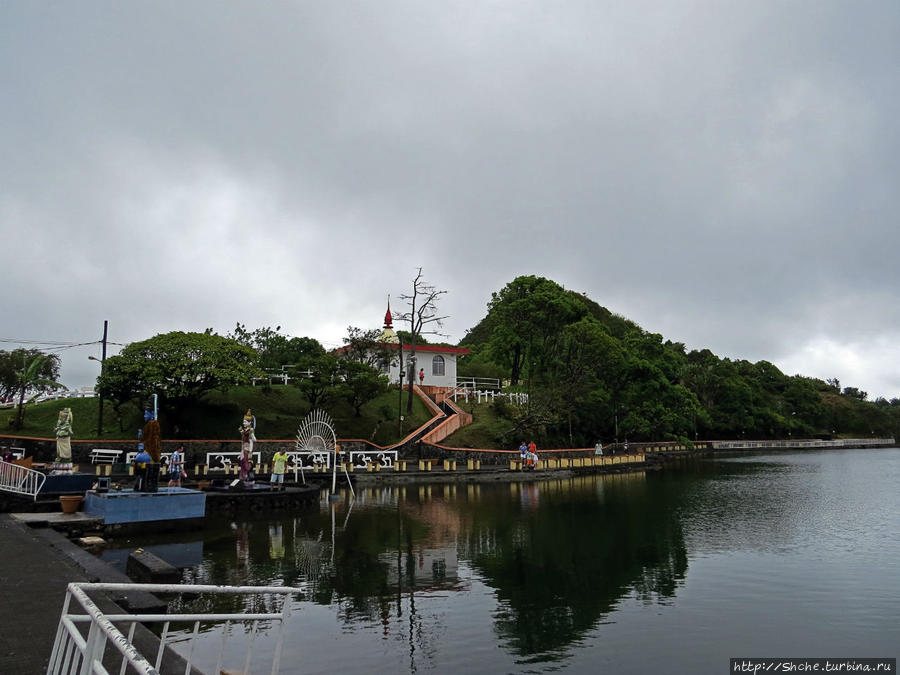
x,y
104,456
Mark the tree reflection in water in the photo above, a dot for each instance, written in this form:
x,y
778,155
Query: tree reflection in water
x,y
559,554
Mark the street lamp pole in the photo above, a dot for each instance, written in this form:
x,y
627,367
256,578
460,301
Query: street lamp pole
x,y
400,385
616,417
102,359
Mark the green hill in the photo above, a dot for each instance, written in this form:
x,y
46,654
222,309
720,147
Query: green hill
x,y
592,374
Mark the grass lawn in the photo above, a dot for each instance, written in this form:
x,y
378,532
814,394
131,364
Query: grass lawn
x,y
486,431
279,412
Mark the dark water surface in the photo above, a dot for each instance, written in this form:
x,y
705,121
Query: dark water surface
x,y
788,554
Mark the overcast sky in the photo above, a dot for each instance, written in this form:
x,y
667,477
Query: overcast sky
x,y
722,173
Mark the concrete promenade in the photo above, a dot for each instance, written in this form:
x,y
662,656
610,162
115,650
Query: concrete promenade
x,y
36,565
33,575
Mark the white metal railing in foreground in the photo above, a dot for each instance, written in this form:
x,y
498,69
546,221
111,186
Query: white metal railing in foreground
x,y
21,479
85,632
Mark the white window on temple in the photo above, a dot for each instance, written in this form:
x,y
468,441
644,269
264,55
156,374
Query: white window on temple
x,y
437,365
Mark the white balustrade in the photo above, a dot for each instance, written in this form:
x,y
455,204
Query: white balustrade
x,y
220,461
362,458
129,458
309,460
20,480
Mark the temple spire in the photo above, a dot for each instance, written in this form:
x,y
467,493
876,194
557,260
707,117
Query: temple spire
x,y
388,335
387,317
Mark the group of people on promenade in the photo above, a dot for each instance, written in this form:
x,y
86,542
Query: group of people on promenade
x,y
528,453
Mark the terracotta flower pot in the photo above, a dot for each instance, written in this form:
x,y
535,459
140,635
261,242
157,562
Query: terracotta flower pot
x,y
70,503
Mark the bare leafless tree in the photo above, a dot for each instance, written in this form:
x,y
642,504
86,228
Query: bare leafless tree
x,y
422,318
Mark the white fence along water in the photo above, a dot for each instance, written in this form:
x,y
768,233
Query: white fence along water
x,y
87,639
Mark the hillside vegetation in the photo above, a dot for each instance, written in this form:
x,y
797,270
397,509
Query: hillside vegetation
x,y
279,410
594,375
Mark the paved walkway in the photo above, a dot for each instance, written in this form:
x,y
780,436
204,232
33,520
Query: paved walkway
x,y
33,575
36,566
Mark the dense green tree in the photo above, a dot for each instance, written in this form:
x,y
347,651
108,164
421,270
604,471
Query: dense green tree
x,y
853,392
529,314
318,378
364,346
274,349
179,367
585,350
478,363
360,383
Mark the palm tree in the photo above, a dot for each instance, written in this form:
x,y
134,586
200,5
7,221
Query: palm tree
x,y
30,378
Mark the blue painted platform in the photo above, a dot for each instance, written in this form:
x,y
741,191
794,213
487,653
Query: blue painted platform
x,y
127,506
68,483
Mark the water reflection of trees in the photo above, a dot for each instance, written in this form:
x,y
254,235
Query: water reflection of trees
x,y
560,554
560,568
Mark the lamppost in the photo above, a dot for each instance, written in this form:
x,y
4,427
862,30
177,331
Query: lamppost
x,y
400,386
100,396
102,360
616,418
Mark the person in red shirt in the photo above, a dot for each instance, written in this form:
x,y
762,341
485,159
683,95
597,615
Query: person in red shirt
x,y
532,455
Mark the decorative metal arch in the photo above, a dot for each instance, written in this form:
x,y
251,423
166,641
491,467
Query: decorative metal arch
x,y
316,433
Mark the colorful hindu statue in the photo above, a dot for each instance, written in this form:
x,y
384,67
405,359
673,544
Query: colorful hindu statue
x,y
248,438
151,436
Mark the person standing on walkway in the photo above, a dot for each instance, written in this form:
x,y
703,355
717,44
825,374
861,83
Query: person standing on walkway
x,y
279,464
523,451
598,449
421,376
142,463
531,458
176,467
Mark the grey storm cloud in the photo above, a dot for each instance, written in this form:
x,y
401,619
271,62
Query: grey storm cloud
x,y
722,173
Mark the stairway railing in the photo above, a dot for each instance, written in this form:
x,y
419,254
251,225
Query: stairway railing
x,y
21,480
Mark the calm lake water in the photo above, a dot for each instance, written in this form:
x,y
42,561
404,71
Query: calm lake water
x,y
787,554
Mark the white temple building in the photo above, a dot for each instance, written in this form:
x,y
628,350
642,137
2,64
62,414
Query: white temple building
x,y
437,362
